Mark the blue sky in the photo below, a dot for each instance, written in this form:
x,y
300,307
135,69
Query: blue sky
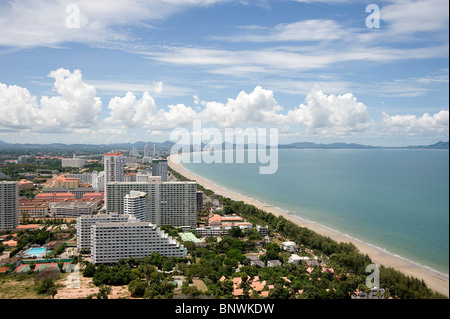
x,y
115,71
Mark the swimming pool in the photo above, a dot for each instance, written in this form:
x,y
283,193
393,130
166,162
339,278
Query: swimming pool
x,y
38,252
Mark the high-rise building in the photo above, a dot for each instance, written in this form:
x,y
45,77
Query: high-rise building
x,y
169,203
135,204
199,201
154,150
111,242
85,222
146,151
98,181
134,152
114,164
9,205
159,168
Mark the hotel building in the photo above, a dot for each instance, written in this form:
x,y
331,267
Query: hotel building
x,y
168,203
112,241
84,224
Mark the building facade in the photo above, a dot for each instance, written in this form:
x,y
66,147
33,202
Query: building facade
x,y
114,164
135,204
9,205
73,209
159,168
84,224
111,242
169,203
73,162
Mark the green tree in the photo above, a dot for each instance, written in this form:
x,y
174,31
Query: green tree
x,y
89,270
137,288
46,286
103,292
236,232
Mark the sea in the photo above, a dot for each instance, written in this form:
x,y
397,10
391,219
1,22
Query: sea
x,y
394,199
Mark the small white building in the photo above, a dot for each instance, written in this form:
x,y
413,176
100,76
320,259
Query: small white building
x,y
289,246
295,259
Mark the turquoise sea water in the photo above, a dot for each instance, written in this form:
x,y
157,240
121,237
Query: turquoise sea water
x,y
397,200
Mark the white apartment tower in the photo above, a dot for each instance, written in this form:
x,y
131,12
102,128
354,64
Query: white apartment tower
x,y
9,205
114,164
135,204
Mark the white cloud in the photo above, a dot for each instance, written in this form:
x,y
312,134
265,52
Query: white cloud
x,y
130,111
18,108
75,107
331,114
413,16
414,125
258,107
306,30
27,23
285,60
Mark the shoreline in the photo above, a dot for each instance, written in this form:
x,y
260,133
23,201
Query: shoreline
x,y
434,279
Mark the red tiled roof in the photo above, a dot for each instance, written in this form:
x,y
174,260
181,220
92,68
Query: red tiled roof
x,y
4,269
28,226
113,154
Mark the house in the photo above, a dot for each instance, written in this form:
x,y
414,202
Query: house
x,y
255,261
10,243
273,263
289,246
295,259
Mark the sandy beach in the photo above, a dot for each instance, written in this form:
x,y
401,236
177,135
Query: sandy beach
x,y
434,280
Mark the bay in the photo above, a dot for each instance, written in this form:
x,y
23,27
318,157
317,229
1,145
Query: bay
x,y
397,200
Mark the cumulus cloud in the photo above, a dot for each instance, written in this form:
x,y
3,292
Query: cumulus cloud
x,y
75,107
412,124
144,113
257,107
19,107
131,111
331,113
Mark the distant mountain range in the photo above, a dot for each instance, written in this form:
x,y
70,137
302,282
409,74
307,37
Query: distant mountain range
x,y
100,148
303,145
